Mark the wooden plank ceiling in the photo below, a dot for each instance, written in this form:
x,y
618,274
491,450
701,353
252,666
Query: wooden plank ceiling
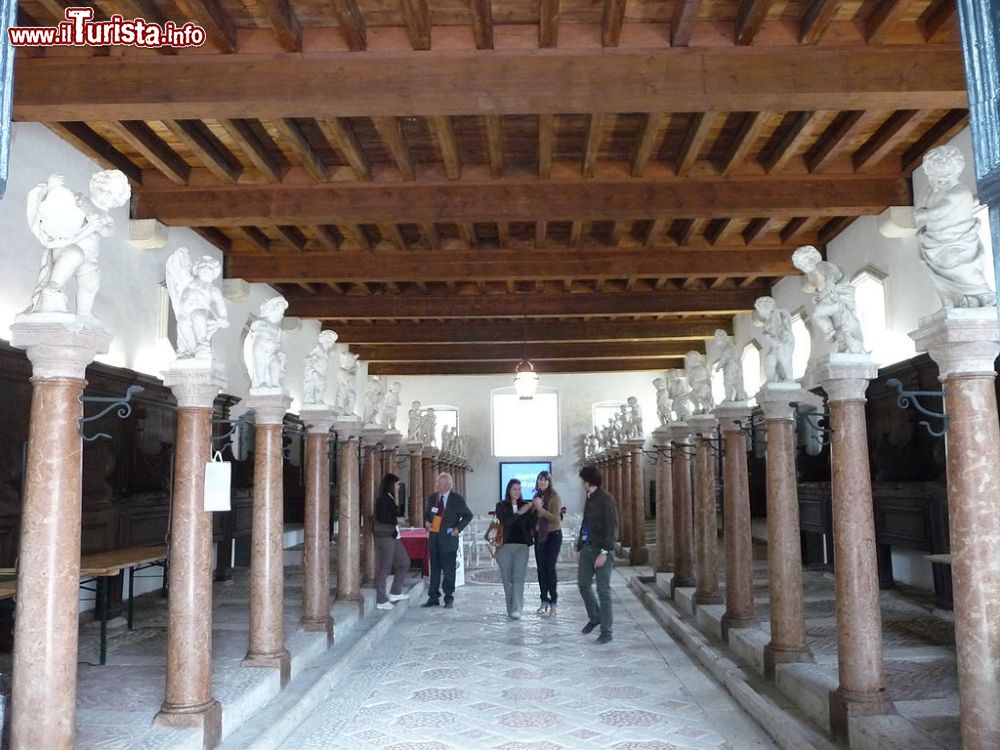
x,y
441,181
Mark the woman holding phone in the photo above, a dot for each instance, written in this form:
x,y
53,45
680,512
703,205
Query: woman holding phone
x,y
518,518
548,540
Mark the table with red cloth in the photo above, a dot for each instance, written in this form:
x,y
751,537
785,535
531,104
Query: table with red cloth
x,y
415,542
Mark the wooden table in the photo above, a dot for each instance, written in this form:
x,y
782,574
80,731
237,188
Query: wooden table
x,y
98,568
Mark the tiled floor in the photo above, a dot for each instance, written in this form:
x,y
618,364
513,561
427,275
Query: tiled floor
x,y
468,678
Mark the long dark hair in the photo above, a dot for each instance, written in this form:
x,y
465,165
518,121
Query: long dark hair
x,y
548,491
388,485
506,495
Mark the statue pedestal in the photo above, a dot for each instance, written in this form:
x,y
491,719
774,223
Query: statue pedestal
x,y
664,559
316,553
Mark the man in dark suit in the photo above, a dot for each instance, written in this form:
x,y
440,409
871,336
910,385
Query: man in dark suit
x,y
445,516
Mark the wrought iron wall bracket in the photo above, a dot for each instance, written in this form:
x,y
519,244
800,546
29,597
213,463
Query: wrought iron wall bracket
x,y
123,404
906,399
225,440
818,420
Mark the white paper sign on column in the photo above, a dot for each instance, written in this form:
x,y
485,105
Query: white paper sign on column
x,y
218,479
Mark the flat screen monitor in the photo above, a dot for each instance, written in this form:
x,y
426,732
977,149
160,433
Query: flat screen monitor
x,y
525,471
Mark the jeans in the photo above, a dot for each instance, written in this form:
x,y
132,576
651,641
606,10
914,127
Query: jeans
x,y
513,562
443,552
599,607
390,554
546,556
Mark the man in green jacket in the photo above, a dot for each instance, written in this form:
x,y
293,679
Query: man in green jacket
x,y
596,545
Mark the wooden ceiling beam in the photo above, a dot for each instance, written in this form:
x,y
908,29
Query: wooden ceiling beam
x,y
255,149
682,22
718,230
612,21
326,236
794,228
292,235
285,23
898,128
541,330
526,200
749,19
351,24
297,139
440,126
592,150
391,133
209,14
746,138
816,20
209,149
802,130
546,144
884,15
85,138
430,232
341,136
495,144
694,141
939,16
513,348
643,149
836,138
256,236
506,367
144,140
541,230
418,23
505,305
548,23
661,80
356,234
943,130
482,23
654,232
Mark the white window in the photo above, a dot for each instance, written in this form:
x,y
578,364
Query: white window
x,y
444,416
525,428
603,412
869,296
753,376
803,346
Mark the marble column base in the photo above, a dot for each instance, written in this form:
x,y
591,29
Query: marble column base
x,y
774,656
281,661
320,626
708,598
206,718
845,704
735,623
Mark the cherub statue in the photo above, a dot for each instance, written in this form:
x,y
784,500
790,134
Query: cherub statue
x,y
199,306
347,386
316,367
262,355
948,233
621,422
598,442
390,406
447,439
696,370
70,227
729,361
428,426
374,395
634,420
662,401
779,341
680,395
606,436
835,312
413,428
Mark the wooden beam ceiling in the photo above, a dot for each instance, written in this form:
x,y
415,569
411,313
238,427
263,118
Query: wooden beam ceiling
x,y
514,350
500,367
561,81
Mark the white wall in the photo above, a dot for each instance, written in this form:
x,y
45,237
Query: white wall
x,y
577,393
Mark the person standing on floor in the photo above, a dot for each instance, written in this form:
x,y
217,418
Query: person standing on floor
x,y
445,516
548,540
518,518
388,546
596,547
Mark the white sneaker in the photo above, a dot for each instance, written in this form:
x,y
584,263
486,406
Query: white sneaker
x,y
398,597
384,605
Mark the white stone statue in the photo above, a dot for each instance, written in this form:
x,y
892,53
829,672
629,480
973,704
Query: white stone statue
x,y
414,432
835,312
621,424
680,395
461,447
390,406
262,355
199,306
634,420
606,436
447,439
428,426
374,396
70,227
662,401
779,341
948,233
729,361
314,384
347,384
696,370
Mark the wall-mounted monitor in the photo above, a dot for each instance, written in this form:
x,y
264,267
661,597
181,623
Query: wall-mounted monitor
x,y
525,471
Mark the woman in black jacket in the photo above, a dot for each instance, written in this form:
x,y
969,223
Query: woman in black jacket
x,y
518,518
388,547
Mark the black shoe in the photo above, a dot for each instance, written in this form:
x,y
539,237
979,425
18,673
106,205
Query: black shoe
x,y
430,603
603,638
449,605
589,627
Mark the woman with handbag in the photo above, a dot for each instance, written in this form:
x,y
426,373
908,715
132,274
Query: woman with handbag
x,y
388,547
517,517
548,540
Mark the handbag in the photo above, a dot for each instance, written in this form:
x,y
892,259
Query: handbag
x,y
494,537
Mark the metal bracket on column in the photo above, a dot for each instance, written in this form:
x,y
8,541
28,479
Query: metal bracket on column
x,y
817,420
123,404
753,427
286,450
225,440
714,440
685,450
906,399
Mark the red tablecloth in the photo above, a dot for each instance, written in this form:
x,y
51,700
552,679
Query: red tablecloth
x,y
415,542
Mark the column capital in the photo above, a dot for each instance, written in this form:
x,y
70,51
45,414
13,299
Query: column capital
x,y
635,444
845,377
268,409
776,399
960,340
680,432
317,421
702,423
372,436
195,388
430,451
733,415
661,435
415,448
392,440
59,345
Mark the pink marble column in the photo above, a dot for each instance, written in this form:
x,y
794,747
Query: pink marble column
x,y
316,555
43,710
637,545
624,474
267,573
861,691
784,554
430,476
416,488
683,522
369,486
349,537
188,700
706,535
664,562
965,343
733,418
